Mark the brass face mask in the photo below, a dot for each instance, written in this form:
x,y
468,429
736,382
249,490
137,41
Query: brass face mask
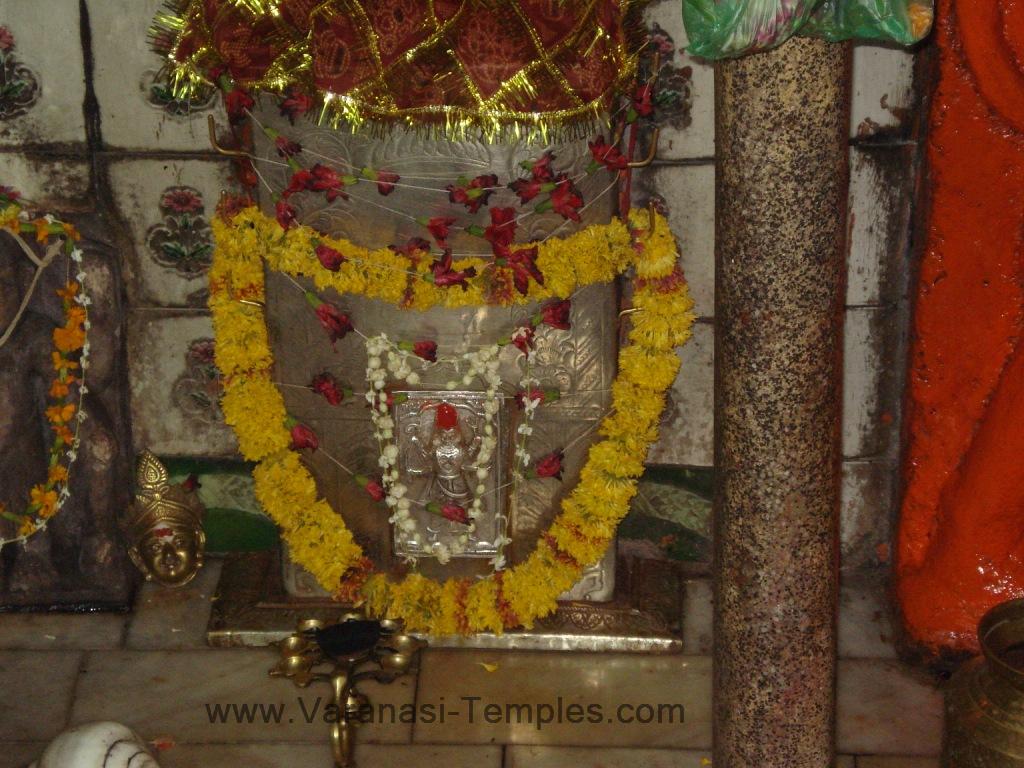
x,y
165,532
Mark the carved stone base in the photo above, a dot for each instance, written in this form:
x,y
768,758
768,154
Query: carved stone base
x,y
251,608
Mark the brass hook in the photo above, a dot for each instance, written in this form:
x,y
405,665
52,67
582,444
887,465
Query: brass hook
x,y
212,125
651,153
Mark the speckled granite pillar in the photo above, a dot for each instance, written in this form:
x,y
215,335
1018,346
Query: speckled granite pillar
x,y
781,129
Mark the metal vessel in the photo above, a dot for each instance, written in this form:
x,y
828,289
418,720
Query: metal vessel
x,y
985,699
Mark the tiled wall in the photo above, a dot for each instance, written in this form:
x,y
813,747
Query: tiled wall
x,y
157,181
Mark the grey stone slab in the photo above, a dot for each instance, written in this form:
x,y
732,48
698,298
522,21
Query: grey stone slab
x,y
168,205
880,202
52,184
518,684
306,755
20,754
174,618
883,97
61,631
123,80
174,389
692,136
865,628
177,694
869,378
47,42
37,688
865,512
886,709
603,757
698,616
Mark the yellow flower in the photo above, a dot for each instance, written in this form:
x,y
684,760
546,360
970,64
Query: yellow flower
x,y
60,414
42,230
69,338
9,218
27,527
45,500
69,291
58,474
61,363
60,388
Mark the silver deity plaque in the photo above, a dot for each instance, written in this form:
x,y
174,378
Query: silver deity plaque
x,y
440,466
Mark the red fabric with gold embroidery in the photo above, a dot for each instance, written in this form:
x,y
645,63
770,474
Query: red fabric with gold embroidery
x,y
485,63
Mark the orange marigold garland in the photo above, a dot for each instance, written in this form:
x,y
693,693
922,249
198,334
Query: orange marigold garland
x,y
70,357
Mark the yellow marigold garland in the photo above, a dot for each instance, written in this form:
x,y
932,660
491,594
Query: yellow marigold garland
x,y
316,535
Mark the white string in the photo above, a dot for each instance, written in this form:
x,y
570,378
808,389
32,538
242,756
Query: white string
x,y
41,265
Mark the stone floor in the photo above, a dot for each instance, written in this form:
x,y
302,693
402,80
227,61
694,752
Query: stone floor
x,y
152,671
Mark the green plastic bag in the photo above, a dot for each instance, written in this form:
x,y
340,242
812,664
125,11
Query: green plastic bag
x,y
897,21
720,29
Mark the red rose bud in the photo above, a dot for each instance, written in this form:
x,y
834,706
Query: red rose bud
x,y
304,437
372,485
412,249
550,465
455,513
327,386
9,194
286,147
449,511
565,199
556,314
300,180
191,483
541,169
426,349
324,179
439,227
526,189
334,321
475,194
502,230
386,182
329,258
285,214
607,155
238,102
642,103
231,205
522,337
442,274
523,264
295,104
536,393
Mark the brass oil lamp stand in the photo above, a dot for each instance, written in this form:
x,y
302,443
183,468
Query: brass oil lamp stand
x,y
343,655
